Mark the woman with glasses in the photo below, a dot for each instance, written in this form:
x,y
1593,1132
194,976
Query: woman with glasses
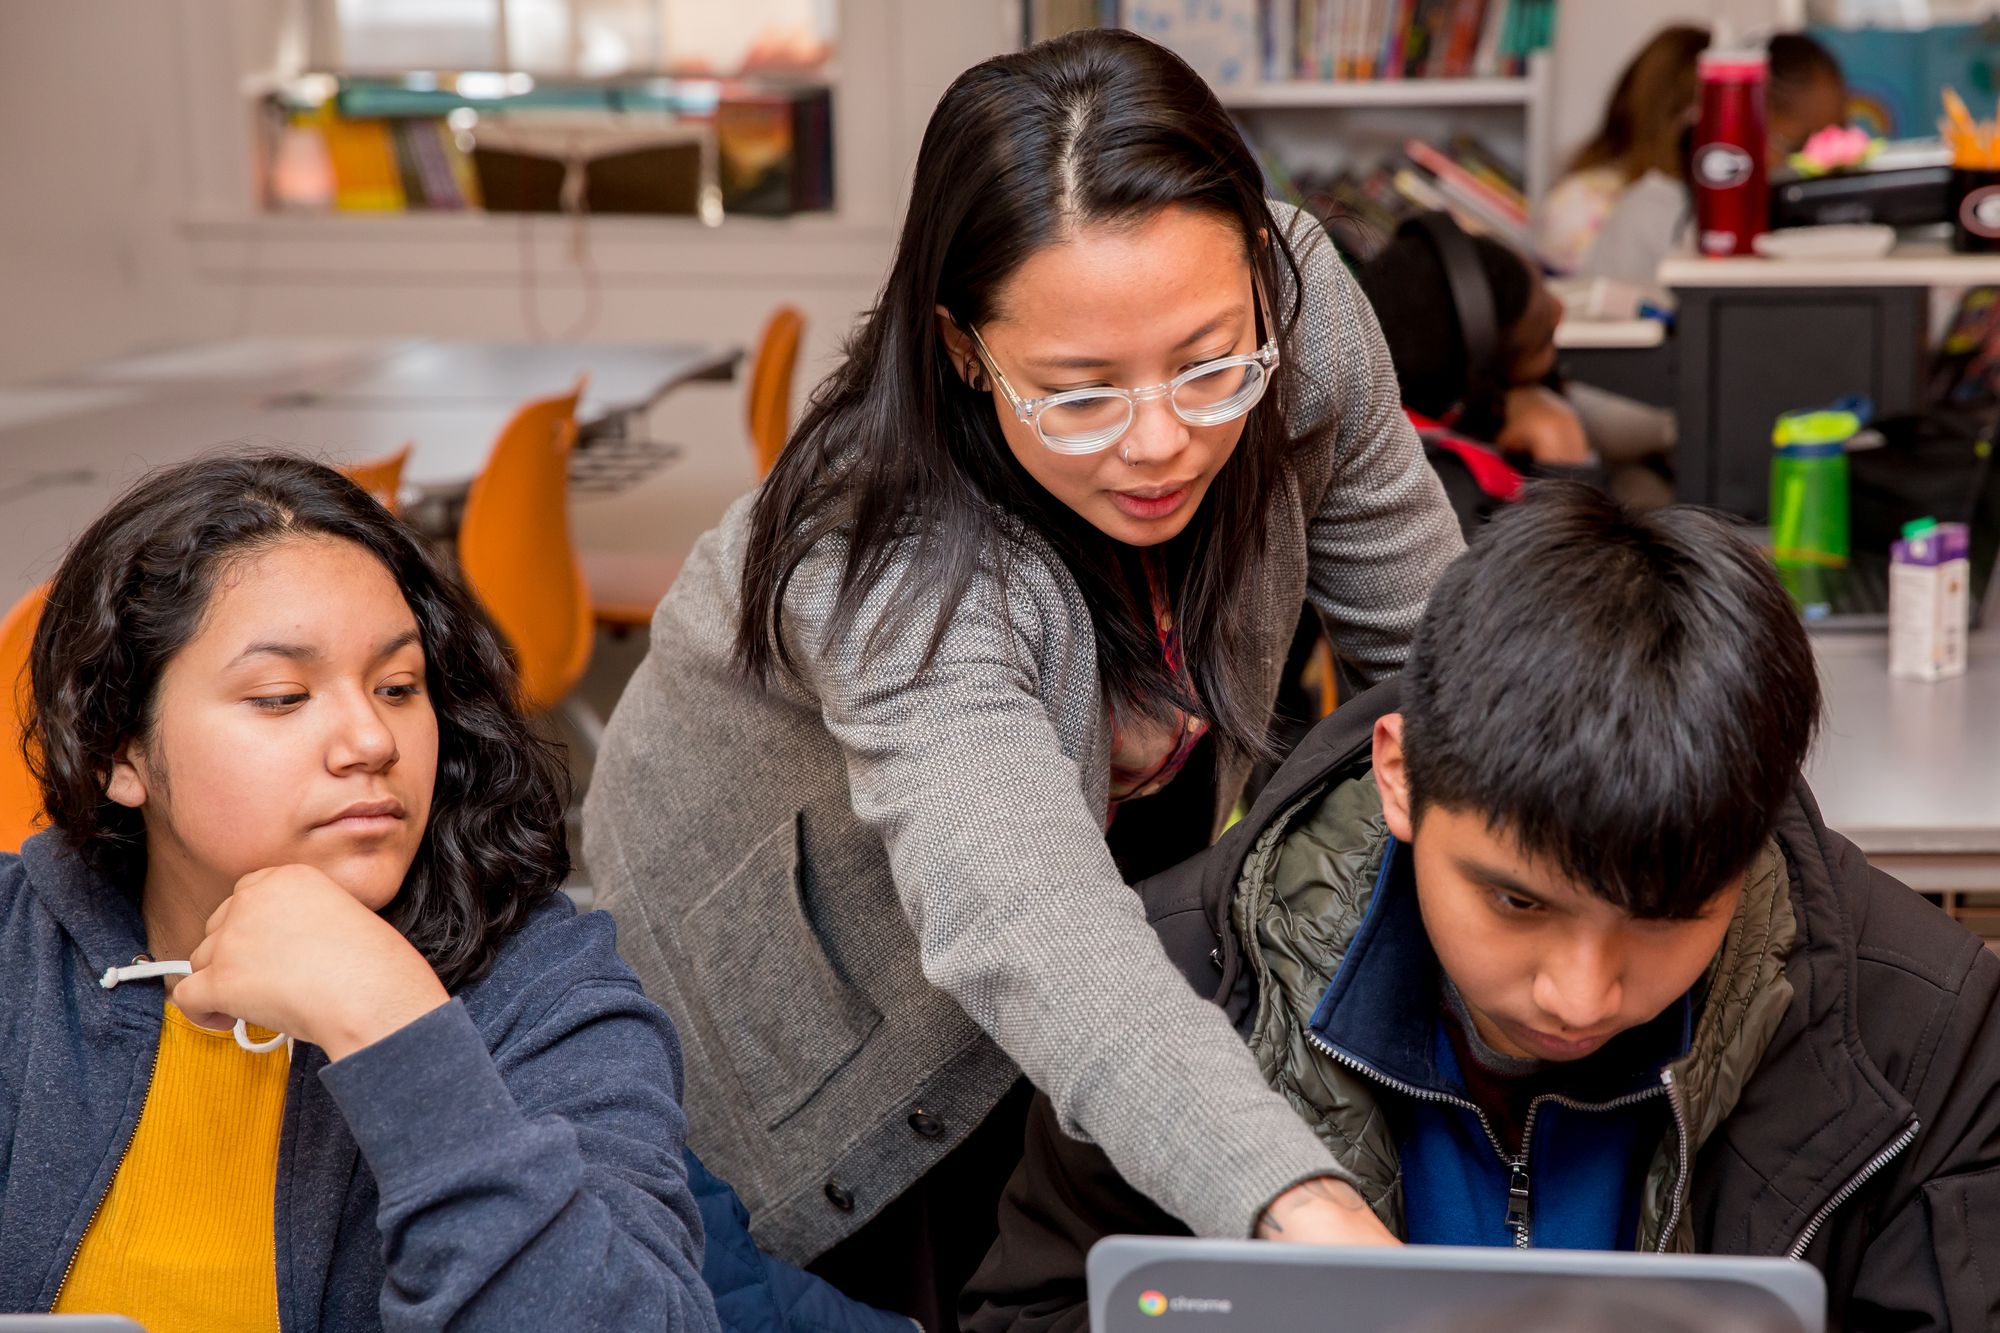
x,y
1000,635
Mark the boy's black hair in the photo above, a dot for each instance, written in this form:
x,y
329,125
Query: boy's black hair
x,y
1629,695
1406,284
131,593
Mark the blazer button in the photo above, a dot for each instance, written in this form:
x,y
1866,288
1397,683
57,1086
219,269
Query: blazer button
x,y
840,1196
925,1123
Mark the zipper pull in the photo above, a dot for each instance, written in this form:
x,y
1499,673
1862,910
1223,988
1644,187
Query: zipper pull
x,y
1517,1201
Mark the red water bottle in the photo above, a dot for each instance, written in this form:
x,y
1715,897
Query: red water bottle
x,y
1732,197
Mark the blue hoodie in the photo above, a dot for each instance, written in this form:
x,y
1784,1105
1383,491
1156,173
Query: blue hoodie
x,y
511,1160
757,1293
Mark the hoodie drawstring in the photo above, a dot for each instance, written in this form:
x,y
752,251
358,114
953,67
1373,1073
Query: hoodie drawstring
x,y
148,971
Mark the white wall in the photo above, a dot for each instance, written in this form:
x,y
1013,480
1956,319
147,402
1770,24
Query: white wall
x,y
93,169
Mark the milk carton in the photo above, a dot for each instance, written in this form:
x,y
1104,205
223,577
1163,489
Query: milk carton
x,y
1930,577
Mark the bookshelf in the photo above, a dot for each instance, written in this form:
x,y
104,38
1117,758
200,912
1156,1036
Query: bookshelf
x,y
1352,117
1325,125
1333,95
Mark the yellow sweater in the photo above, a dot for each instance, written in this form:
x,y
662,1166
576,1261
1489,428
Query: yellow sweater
x,y
183,1240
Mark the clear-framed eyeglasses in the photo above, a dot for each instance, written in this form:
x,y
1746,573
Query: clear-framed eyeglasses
x,y
1088,421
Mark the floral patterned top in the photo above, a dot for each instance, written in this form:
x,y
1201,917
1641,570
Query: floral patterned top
x,y
1147,753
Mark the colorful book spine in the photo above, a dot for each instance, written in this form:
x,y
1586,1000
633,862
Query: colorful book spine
x,y
365,176
1468,16
427,146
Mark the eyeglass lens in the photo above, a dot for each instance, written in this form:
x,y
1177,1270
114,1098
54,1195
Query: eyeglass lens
x,y
1209,399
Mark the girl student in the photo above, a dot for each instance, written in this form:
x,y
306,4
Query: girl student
x,y
1625,199
1001,632
278,748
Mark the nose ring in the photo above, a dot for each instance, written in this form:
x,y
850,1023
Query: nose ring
x,y
1125,452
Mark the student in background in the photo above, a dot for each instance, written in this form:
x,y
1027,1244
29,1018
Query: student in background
x,y
1003,628
1484,401
1625,203
274,739
1807,93
1547,941
1644,133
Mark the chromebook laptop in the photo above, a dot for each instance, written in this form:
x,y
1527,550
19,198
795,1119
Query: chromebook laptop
x,y
1145,1284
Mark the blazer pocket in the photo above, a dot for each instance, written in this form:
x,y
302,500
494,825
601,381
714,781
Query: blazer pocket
x,y
786,1018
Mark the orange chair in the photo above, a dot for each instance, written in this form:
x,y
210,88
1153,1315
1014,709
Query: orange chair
x,y
381,477
1322,677
20,798
515,553
771,385
627,586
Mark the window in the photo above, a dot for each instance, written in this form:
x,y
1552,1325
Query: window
x,y
587,39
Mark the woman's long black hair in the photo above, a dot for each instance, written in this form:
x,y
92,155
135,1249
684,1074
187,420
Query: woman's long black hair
x,y
132,592
894,448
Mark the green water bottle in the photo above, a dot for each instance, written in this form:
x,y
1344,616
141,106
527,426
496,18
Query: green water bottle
x,y
1809,521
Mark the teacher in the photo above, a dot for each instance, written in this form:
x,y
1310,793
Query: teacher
x,y
1001,633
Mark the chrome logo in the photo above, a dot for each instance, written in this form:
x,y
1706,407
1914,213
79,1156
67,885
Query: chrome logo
x,y
1152,1302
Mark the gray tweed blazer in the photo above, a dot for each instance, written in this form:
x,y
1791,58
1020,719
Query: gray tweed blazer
x,y
870,899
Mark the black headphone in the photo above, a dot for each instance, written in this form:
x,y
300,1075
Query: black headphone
x,y
1471,296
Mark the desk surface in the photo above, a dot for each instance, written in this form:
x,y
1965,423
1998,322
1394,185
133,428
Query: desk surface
x,y
340,398
623,377
425,372
1914,264
1908,767
451,443
1583,335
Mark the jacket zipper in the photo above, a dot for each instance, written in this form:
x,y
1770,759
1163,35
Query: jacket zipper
x,y
1519,1214
1681,1176
1320,1044
1517,1203
125,1152
1853,1187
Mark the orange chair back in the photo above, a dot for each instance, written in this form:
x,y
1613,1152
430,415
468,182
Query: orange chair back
x,y
380,477
771,385
515,552
20,798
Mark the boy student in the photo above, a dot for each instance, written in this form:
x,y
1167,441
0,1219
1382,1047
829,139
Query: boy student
x,y
1547,942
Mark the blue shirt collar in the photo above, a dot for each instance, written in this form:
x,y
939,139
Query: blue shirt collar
x,y
1382,1009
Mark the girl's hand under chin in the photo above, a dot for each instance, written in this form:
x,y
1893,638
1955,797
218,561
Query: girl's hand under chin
x,y
293,951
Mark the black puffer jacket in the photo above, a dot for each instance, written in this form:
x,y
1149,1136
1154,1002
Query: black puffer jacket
x,y
1867,1139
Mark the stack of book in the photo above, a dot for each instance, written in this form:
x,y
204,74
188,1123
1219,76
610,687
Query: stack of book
x,y
1403,39
377,165
1364,206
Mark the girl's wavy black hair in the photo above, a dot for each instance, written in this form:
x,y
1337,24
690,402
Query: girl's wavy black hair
x,y
132,592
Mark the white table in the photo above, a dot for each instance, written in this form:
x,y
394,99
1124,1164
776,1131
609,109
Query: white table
x,y
342,398
25,404
1594,335
1910,770
67,446
623,377
1922,263
247,366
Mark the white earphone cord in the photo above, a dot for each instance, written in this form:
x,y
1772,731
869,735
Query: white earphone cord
x,y
149,971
